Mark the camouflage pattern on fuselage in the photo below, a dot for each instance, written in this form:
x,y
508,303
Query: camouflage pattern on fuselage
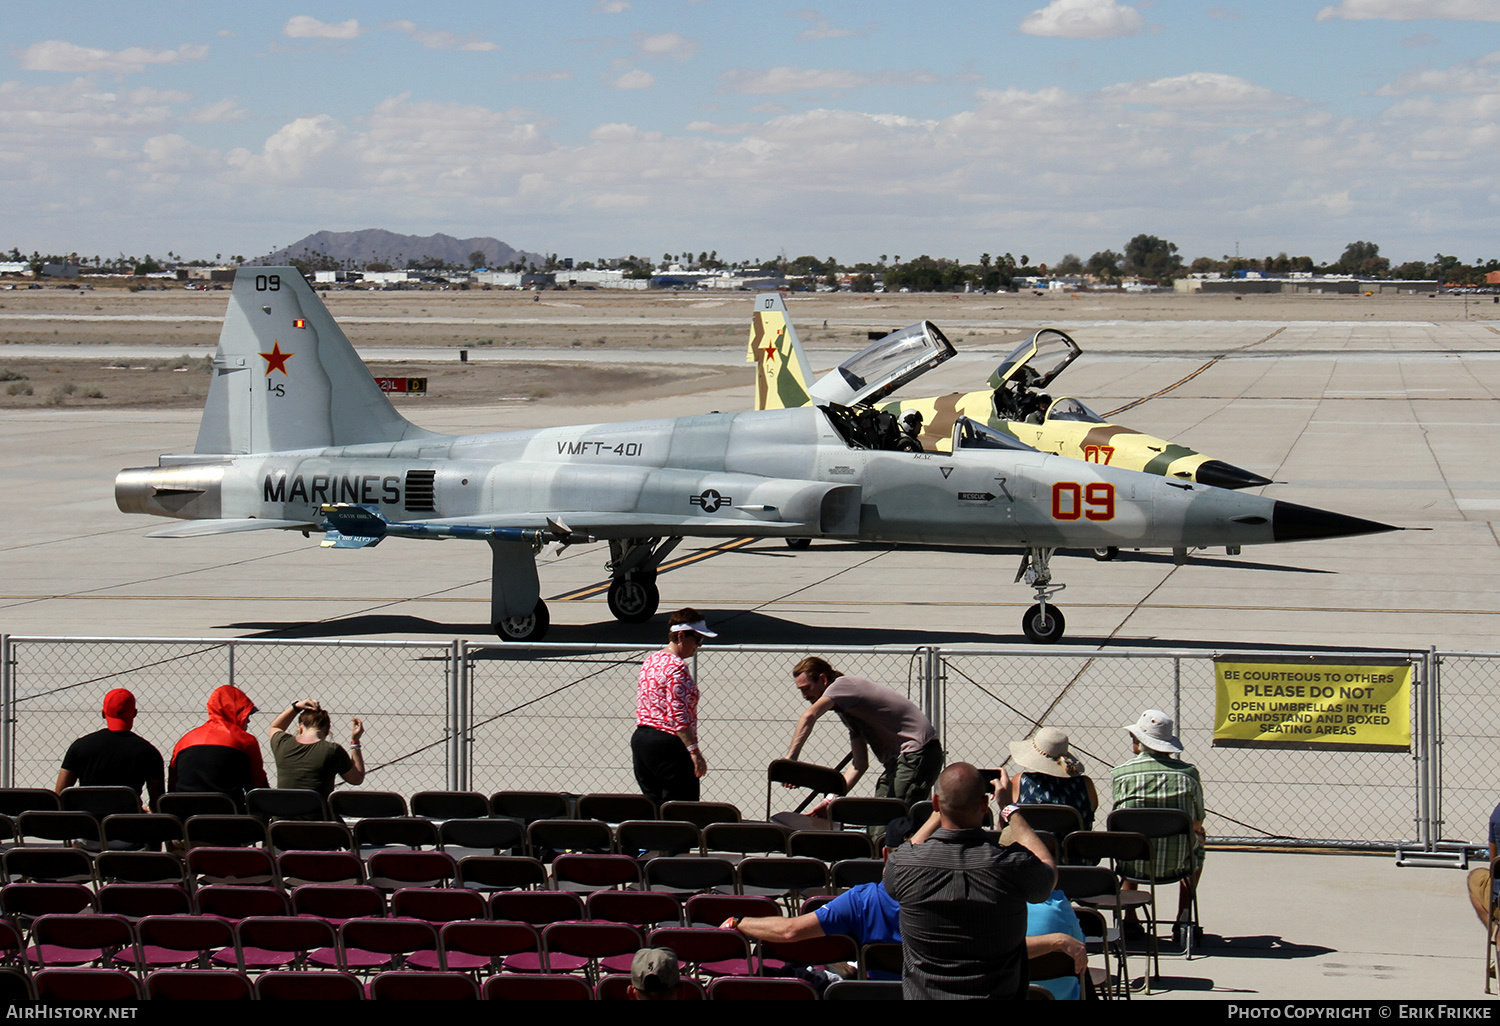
x,y
1064,427
1092,442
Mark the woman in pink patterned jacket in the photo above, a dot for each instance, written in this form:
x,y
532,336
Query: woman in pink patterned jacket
x,y
668,763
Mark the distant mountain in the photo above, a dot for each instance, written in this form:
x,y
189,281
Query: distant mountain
x,y
375,245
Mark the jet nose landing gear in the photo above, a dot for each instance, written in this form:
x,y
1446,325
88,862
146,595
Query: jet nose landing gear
x,y
1043,623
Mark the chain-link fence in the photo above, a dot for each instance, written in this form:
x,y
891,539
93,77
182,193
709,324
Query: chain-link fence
x,y
1252,794
1467,722
54,688
488,717
559,717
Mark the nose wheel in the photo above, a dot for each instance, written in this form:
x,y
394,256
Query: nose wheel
x,y
1043,623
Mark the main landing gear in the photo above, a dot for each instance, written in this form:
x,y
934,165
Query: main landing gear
x,y
525,628
517,612
1043,622
633,596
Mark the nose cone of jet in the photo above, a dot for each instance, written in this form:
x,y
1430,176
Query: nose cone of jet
x,y
1291,522
1226,475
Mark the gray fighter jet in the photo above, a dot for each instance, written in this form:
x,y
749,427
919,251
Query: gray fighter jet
x,y
296,435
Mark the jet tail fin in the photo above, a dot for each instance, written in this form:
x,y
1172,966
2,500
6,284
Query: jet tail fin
x,y
286,377
782,372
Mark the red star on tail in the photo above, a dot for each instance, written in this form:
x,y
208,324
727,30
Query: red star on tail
x,y
276,359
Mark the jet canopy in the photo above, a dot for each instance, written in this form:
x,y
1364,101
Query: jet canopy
x,y
1043,355
884,366
1068,408
971,434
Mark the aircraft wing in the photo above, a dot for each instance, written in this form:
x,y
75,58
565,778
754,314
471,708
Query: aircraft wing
x,y
756,520
202,528
766,507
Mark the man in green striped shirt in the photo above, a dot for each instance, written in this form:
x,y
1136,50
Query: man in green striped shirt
x,y
1157,778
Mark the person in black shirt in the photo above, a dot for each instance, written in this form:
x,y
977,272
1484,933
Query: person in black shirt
x,y
114,756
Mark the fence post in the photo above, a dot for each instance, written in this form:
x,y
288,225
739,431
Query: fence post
x,y
933,688
232,649
7,715
1177,693
453,728
1434,761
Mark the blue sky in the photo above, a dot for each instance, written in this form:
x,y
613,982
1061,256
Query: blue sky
x,y
597,128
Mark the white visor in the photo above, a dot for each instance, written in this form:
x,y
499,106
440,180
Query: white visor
x,y
697,628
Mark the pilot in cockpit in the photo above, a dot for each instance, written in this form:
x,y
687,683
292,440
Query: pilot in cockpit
x,y
1036,407
911,430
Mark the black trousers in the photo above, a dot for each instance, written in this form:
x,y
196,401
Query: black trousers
x,y
663,768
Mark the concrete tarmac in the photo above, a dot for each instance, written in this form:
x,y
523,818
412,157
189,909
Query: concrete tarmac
x,y
1394,422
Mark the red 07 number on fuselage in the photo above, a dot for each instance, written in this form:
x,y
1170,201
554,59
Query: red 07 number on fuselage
x,y
1094,501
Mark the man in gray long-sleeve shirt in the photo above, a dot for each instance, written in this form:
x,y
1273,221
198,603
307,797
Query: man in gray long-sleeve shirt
x,y
879,720
963,899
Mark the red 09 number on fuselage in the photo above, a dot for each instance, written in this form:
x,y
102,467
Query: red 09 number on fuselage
x,y
1094,501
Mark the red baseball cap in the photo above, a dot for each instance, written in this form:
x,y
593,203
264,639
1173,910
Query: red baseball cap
x,y
119,709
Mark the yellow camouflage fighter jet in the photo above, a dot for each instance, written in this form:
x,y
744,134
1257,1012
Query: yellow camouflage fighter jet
x,y
1013,403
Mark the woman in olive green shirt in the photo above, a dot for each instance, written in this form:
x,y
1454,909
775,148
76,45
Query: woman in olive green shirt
x,y
308,759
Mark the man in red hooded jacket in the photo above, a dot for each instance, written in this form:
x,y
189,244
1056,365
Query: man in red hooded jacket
x,y
221,755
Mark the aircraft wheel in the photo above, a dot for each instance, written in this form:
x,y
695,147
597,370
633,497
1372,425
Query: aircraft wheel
x,y
632,600
525,628
799,543
1104,555
1043,627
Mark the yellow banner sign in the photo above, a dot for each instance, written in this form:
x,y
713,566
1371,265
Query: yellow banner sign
x,y
1344,704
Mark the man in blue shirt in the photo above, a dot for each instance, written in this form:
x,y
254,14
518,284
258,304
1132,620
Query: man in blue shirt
x,y
865,912
871,916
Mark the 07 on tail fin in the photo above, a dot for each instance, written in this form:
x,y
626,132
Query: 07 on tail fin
x,y
782,373
286,377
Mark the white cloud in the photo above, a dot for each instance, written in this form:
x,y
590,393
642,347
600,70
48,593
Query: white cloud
x,y
1413,10
784,79
78,116
666,44
1083,19
1476,76
780,80
611,6
303,152
1200,90
1177,157
58,55
302,26
436,40
167,157
822,27
225,111
636,79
